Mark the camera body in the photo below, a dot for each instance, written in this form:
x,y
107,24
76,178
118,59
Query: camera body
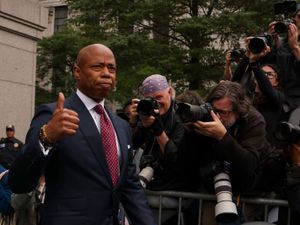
x,y
281,27
236,54
257,44
147,106
225,209
192,113
283,9
288,132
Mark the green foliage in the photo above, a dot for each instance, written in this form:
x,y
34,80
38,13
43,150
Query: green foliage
x,y
184,40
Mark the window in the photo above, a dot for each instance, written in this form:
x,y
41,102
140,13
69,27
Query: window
x,y
61,16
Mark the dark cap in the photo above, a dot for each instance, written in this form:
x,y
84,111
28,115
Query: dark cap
x,y
10,127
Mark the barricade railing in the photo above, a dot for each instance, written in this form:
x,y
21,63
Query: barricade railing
x,y
267,203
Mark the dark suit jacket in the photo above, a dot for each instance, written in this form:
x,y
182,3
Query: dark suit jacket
x,y
79,189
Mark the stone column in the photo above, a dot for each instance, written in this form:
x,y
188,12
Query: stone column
x,y
21,25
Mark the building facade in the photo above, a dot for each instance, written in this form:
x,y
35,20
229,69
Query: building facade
x,y
22,23
57,15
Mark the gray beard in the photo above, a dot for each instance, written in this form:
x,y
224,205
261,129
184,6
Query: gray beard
x,y
229,124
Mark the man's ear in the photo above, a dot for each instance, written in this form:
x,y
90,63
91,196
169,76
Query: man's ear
x,y
76,71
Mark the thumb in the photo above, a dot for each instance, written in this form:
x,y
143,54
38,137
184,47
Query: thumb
x,y
60,101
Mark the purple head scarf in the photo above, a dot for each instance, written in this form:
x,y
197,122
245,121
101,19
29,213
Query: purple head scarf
x,y
154,83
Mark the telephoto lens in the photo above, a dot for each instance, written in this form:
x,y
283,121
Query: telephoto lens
x,y
192,113
256,45
146,175
225,209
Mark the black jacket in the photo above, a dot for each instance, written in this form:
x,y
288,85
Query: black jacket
x,y
9,150
243,146
289,68
167,175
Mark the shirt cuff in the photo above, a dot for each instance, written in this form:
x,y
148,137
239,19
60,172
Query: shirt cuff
x,y
43,149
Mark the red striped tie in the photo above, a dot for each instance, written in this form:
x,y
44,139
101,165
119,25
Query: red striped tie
x,y
109,144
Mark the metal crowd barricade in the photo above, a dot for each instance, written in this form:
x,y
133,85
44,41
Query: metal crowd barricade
x,y
266,202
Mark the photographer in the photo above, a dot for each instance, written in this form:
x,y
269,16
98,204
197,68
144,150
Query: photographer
x,y
267,97
235,134
288,60
231,56
279,30
159,131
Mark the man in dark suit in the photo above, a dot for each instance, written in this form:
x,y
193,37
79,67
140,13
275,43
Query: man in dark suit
x,y
64,143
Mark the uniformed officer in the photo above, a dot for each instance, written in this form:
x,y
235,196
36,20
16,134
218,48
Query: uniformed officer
x,y
9,147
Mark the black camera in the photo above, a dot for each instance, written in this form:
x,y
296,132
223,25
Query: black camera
x,y
288,132
147,106
237,54
192,113
225,209
147,165
281,27
284,8
257,44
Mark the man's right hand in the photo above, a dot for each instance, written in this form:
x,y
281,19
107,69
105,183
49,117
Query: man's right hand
x,y
133,111
63,121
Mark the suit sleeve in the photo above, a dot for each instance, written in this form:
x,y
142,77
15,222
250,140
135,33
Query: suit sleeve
x,y
29,165
133,197
5,196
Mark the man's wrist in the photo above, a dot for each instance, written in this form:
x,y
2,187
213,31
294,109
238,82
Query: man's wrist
x,y
44,139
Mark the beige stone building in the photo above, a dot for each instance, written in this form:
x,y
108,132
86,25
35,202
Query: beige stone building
x,y
22,24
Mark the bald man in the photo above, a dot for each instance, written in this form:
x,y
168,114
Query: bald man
x,y
64,142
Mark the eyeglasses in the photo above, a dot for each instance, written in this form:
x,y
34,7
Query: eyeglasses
x,y
270,74
222,112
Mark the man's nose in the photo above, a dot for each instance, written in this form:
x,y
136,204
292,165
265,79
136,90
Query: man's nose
x,y
105,71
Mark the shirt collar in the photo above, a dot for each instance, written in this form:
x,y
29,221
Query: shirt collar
x,y
87,101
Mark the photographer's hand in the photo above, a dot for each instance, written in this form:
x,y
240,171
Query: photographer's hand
x,y
272,32
293,40
228,57
153,122
294,153
133,115
214,129
227,68
156,125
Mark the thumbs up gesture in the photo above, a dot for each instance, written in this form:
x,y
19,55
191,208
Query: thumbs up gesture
x,y
63,121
